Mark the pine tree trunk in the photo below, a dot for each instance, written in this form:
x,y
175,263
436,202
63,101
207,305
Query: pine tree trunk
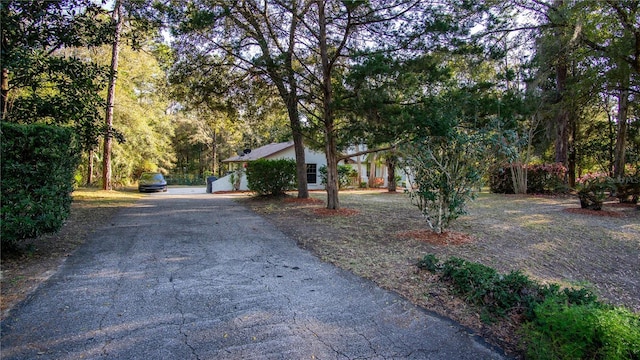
x,y
391,168
291,98
108,138
298,147
327,112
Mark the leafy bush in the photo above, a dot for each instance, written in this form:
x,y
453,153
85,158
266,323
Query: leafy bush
x,y
38,164
561,330
498,293
429,262
562,324
546,178
271,177
482,285
345,175
628,188
541,179
592,189
500,181
446,172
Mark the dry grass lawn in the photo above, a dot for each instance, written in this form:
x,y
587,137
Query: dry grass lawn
x,y
380,236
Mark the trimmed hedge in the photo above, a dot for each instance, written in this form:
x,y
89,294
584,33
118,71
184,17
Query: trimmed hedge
x,y
271,177
38,164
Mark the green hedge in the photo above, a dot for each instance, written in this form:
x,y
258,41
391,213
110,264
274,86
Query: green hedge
x,y
38,164
560,323
271,177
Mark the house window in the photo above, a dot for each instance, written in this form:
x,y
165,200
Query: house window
x,y
312,173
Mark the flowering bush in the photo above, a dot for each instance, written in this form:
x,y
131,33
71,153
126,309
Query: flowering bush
x,y
592,190
378,182
546,178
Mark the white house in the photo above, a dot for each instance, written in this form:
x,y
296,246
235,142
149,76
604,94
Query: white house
x,y
315,160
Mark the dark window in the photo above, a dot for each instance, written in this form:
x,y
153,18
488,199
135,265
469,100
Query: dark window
x,y
312,173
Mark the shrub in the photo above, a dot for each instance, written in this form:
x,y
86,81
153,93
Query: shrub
x,y
497,293
562,330
346,174
482,285
592,189
546,178
628,188
446,172
271,177
429,262
562,324
541,179
500,181
38,165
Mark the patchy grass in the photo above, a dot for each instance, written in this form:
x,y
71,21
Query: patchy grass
x,y
534,234
39,258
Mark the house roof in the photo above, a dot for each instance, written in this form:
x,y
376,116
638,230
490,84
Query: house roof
x,y
261,152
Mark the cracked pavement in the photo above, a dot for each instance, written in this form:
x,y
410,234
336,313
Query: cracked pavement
x,y
190,275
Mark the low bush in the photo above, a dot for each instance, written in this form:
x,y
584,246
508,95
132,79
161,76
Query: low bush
x,y
562,330
496,293
560,323
546,178
38,165
500,181
271,177
541,179
346,175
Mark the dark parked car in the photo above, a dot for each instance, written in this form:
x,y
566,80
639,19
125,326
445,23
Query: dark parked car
x,y
152,181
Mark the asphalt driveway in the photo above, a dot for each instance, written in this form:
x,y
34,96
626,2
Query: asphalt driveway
x,y
189,275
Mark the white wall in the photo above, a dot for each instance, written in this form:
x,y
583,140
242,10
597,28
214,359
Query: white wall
x,y
311,157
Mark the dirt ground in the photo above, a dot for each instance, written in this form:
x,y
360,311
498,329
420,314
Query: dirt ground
x,y
380,236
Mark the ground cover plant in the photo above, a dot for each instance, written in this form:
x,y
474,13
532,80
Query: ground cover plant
x,y
568,323
547,239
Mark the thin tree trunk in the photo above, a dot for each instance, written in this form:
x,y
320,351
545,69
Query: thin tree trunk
x,y
108,138
4,83
214,153
4,98
621,139
358,167
90,169
562,116
371,181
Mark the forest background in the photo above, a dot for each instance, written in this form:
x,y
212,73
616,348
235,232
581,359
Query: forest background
x,y
546,81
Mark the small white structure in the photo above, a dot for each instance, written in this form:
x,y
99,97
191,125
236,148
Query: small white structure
x,y
237,179
315,160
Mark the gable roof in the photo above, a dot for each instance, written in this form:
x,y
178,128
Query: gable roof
x,y
261,152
